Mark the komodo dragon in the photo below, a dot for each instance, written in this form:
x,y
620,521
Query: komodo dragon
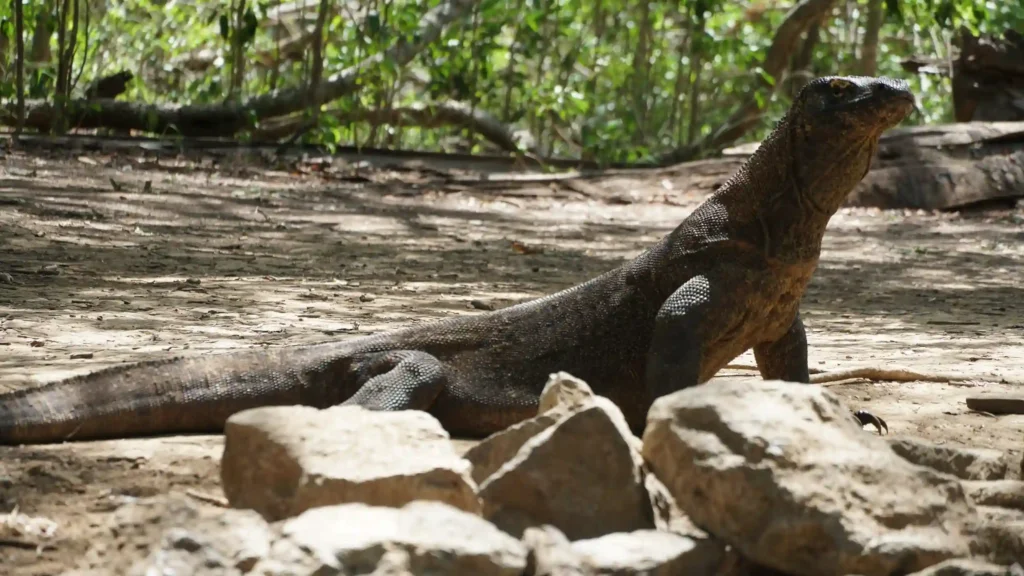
x,y
729,278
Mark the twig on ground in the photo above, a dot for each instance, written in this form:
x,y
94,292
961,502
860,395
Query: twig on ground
x,y
882,374
25,544
875,374
208,498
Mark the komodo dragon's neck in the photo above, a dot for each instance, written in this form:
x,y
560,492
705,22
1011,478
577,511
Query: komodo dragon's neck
x,y
782,198
774,210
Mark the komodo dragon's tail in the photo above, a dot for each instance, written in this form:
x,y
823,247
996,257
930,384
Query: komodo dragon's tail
x,y
180,395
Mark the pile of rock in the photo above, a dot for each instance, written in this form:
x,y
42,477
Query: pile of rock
x,y
738,476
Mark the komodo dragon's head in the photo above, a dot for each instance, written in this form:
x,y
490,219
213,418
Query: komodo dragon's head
x,y
857,107
832,129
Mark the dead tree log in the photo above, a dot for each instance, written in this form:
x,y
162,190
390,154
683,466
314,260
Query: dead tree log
x,y
943,167
110,86
946,167
987,76
229,118
434,115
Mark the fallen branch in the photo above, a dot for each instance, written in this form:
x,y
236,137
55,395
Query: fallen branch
x,y
876,374
24,544
207,498
882,375
229,118
776,61
432,115
997,404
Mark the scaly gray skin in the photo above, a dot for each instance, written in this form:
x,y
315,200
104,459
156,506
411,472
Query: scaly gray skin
x,y
729,278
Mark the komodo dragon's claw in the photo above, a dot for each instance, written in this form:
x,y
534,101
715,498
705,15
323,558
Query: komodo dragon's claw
x,y
865,417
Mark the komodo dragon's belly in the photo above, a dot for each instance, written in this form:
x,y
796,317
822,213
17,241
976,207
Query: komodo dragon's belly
x,y
601,340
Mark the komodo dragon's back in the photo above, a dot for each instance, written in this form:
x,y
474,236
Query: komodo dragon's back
x,y
495,364
728,279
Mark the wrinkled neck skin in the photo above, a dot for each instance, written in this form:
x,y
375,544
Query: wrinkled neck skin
x,y
784,196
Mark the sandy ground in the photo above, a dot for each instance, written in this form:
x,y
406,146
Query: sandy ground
x,y
207,259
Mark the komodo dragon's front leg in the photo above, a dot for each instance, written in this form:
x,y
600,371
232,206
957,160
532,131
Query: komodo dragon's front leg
x,y
786,359
674,357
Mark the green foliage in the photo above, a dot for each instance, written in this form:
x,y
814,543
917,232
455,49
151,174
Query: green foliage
x,y
614,80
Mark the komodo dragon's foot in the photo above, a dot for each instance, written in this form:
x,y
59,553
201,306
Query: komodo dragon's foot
x,y
865,417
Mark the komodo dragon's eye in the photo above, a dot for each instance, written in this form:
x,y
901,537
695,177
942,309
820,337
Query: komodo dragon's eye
x,y
839,86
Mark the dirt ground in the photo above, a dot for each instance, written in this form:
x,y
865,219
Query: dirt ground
x,y
105,268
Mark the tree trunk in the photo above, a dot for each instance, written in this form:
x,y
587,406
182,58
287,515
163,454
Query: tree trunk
x,y
641,71
801,70
786,39
675,117
61,92
19,64
69,51
237,54
5,53
317,71
41,36
869,48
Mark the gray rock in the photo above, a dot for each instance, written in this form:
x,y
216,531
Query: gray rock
x,y
562,396
582,475
498,448
549,553
650,553
173,535
566,393
345,454
667,515
966,463
781,471
643,552
998,534
419,538
969,567
1002,493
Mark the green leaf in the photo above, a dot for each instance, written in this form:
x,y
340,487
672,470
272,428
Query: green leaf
x,y
765,76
